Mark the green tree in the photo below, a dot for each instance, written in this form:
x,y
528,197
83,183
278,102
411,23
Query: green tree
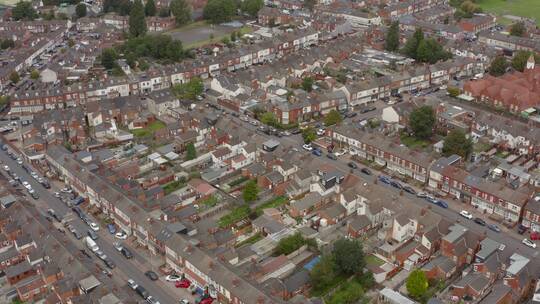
x,y
34,74
23,10
333,117
310,4
288,245
108,58
181,11
225,40
191,151
349,293
251,191
417,284
498,66
456,142
519,61
252,7
269,118
233,36
14,77
323,273
309,135
391,43
518,29
137,23
189,90
422,121
348,256
7,43
429,50
164,12
80,10
453,91
307,84
150,8
219,11
413,42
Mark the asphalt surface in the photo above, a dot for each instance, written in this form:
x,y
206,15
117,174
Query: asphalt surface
x,y
124,268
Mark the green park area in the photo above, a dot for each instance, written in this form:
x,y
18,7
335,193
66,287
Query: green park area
x,y
149,130
521,8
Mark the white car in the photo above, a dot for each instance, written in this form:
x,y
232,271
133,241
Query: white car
x,y
19,161
320,132
465,214
121,235
57,194
6,168
94,226
529,243
173,278
27,185
307,147
118,246
34,175
184,301
132,284
340,152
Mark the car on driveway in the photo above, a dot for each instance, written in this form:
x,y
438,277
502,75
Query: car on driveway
x,y
173,278
479,221
494,227
151,275
466,214
529,243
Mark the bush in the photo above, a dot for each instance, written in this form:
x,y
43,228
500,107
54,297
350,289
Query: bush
x,y
453,91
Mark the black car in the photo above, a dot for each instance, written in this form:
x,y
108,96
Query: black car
x,y
352,165
351,114
126,253
479,221
368,109
296,131
331,156
109,263
77,235
409,190
366,171
78,211
151,275
92,234
522,229
142,292
396,184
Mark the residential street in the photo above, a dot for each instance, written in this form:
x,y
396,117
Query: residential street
x,y
125,269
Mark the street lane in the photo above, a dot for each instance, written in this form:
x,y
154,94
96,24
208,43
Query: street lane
x,y
126,268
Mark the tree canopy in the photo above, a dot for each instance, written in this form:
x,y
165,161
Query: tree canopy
x,y
189,90
309,135
137,23
250,192
518,29
108,58
191,151
333,117
181,11
34,74
348,256
288,245
456,142
391,43
7,43
14,77
252,7
150,8
422,121
498,66
219,11
307,84
519,61
80,10
269,118
323,273
425,50
417,284
121,7
159,47
23,10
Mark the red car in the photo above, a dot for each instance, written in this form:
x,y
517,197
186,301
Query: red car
x,y
184,283
535,236
208,300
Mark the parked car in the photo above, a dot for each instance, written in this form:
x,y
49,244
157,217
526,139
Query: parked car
x,y
316,152
151,275
442,204
184,283
368,109
331,156
529,243
383,179
307,147
93,226
409,189
395,184
132,284
494,227
320,132
152,300
173,278
142,292
366,171
121,235
479,221
352,165
522,229
118,246
421,194
111,228
126,253
92,234
466,214
534,236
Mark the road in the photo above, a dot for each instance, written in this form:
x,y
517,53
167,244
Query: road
x,y
511,242
124,268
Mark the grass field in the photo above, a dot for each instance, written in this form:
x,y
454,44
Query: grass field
x,y
523,8
156,125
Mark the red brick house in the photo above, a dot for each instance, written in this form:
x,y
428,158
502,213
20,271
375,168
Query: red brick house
x,y
477,23
358,226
